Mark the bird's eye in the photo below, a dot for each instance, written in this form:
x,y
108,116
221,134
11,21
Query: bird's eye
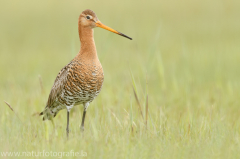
x,y
88,17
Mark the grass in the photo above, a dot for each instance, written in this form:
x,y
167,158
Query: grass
x,y
181,66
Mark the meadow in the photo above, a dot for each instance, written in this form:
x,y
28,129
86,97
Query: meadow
x,y
171,92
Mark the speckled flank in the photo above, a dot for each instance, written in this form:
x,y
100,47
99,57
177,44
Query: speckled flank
x,y
76,83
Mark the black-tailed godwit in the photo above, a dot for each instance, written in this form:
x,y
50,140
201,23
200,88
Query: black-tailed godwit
x,y
80,81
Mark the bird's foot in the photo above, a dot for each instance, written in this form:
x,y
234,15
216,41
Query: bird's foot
x,y
82,128
68,130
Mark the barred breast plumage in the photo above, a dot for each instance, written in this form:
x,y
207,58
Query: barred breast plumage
x,y
77,83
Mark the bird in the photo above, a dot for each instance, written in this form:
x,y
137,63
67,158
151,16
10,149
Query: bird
x,y
81,80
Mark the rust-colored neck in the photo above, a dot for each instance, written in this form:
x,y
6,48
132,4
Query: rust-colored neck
x,y
88,49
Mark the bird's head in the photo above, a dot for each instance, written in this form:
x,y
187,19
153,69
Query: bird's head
x,y
89,19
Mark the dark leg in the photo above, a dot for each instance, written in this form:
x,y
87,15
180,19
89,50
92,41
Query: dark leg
x,y
83,118
84,115
67,129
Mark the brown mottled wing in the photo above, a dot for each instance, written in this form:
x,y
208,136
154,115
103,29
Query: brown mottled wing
x,y
58,86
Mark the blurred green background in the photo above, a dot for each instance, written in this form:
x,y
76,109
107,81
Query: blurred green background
x,y
185,56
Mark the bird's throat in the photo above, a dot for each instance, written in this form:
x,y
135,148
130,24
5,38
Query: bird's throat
x,y
88,49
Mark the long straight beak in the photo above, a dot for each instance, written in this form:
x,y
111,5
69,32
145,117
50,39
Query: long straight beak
x,y
101,25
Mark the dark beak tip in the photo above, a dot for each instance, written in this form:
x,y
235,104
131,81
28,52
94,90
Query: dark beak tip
x,y
125,36
129,38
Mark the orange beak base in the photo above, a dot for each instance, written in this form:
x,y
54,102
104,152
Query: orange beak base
x,y
101,25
